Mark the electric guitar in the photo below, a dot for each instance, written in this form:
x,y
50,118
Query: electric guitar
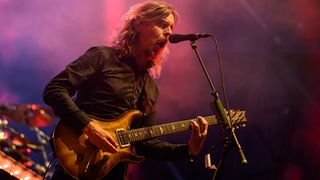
x,y
83,160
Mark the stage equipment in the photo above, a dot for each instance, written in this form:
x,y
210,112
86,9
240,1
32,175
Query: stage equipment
x,y
15,144
217,106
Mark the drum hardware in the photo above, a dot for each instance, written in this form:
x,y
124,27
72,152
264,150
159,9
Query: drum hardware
x,y
14,143
44,140
17,146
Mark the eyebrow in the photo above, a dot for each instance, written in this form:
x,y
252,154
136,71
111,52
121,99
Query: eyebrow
x,y
168,22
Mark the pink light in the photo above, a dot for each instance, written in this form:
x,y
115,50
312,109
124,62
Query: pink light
x,y
113,12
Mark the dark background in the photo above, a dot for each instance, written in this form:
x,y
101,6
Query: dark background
x,y
271,58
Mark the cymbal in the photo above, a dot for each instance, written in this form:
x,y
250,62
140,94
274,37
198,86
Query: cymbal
x,y
31,114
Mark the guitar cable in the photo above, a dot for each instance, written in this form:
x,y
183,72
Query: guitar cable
x,y
53,162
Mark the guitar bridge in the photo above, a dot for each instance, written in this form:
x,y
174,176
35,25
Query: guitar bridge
x,y
123,138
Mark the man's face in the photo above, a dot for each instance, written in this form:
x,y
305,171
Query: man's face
x,y
152,39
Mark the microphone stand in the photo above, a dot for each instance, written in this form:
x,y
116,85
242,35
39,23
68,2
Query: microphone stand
x,y
221,111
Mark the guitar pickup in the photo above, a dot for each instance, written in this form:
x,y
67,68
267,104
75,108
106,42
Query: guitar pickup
x,y
123,138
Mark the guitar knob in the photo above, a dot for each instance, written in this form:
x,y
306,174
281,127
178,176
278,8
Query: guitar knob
x,y
80,157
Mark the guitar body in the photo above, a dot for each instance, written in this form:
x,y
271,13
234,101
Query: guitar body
x,y
83,160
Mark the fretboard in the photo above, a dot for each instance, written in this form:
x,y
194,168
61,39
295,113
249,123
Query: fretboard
x,y
140,134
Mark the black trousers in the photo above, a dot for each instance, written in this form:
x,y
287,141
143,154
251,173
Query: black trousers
x,y
119,172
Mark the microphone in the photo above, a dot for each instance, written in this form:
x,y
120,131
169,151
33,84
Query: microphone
x,y
176,38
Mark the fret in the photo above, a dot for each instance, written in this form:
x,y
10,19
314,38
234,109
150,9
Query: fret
x,y
148,132
139,134
151,131
211,120
157,130
164,129
135,135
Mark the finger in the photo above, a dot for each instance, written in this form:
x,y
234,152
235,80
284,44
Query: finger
x,y
110,147
112,141
196,128
192,129
102,144
195,131
203,125
202,121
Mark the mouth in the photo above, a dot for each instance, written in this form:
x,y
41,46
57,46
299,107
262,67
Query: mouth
x,y
161,43
157,48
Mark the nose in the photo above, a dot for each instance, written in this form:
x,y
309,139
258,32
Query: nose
x,y
167,32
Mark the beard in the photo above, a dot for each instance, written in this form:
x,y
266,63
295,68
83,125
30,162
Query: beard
x,y
157,62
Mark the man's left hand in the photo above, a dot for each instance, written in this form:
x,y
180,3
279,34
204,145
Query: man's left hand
x,y
198,136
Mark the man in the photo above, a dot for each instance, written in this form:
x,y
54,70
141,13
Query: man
x,y
109,81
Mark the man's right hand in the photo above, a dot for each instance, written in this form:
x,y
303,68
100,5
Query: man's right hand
x,y
100,138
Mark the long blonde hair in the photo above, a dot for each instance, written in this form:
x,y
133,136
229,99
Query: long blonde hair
x,y
125,36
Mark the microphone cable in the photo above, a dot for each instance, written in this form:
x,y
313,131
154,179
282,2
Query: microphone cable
x,y
221,71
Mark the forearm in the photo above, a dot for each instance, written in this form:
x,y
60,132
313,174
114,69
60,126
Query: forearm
x,y
162,150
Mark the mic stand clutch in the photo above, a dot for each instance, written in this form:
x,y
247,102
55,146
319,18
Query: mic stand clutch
x,y
221,112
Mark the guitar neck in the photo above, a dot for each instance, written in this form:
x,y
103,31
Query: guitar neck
x,y
141,134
